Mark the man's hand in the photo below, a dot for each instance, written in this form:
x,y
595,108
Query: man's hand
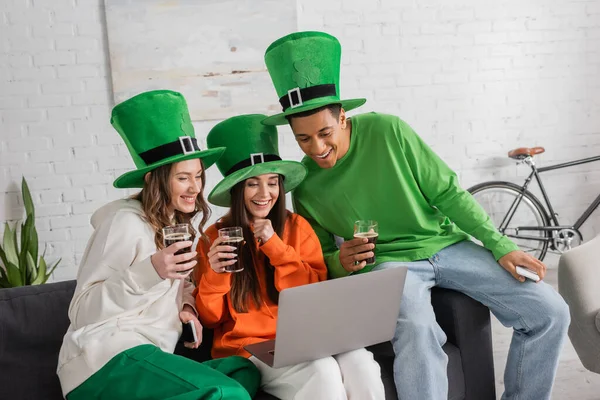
x,y
188,314
263,230
515,258
350,256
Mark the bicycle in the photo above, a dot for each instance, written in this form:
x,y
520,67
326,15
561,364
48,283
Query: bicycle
x,y
520,215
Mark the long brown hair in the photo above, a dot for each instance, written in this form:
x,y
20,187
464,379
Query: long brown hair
x,y
244,284
156,198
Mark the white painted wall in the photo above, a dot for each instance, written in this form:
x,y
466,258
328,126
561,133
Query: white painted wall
x,y
474,78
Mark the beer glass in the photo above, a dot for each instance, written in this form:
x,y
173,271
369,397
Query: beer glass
x,y
235,239
178,233
367,229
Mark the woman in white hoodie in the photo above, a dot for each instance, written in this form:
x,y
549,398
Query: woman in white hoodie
x,y
132,295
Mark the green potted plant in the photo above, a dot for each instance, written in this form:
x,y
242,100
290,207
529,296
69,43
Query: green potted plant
x,y
21,265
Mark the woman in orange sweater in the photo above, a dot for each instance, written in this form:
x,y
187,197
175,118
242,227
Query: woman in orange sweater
x,y
281,251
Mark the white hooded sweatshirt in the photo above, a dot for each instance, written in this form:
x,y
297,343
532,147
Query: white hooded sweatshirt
x,y
120,301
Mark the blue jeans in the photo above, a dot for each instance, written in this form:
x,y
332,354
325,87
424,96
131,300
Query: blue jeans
x,y
536,312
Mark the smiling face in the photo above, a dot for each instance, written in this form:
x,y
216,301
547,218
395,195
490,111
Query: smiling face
x,y
185,183
260,195
322,136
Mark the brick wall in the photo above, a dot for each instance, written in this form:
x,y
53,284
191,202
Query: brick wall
x,y
474,78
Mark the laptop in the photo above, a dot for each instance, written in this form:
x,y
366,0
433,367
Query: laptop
x,y
332,317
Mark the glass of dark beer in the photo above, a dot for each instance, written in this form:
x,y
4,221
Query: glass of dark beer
x,y
367,229
235,239
178,233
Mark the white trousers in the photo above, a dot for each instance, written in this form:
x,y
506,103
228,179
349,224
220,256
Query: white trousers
x,y
349,376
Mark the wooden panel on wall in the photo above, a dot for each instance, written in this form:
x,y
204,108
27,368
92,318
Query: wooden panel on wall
x,y
210,50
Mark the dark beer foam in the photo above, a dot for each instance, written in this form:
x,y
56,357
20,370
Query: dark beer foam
x,y
366,235
178,237
234,239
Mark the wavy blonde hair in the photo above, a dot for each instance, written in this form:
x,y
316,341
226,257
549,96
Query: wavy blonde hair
x,y
156,198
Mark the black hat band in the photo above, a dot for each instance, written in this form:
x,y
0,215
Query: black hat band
x,y
256,158
185,145
296,97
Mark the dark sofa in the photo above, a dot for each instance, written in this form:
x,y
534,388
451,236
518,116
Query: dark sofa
x,y
34,319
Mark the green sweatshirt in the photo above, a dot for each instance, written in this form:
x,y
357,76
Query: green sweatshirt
x,y
390,175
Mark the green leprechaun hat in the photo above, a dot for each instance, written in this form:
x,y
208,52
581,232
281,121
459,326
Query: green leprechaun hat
x,y
251,150
157,130
305,70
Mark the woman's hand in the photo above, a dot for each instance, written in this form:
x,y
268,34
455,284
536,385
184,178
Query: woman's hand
x,y
220,256
171,266
186,315
263,230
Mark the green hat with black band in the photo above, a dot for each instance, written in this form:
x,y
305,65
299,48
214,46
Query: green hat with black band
x,y
157,130
251,150
305,70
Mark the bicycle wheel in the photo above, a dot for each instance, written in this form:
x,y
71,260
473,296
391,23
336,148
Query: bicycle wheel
x,y
496,198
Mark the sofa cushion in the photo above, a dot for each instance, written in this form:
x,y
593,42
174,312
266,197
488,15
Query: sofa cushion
x,y
384,355
33,321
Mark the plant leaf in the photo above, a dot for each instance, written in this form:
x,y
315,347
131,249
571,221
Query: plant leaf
x,y
41,273
33,247
10,247
14,277
3,279
23,252
3,257
4,283
28,246
31,268
16,240
24,233
52,269
27,200
21,260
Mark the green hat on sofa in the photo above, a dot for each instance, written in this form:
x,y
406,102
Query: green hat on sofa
x,y
157,130
251,150
305,70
